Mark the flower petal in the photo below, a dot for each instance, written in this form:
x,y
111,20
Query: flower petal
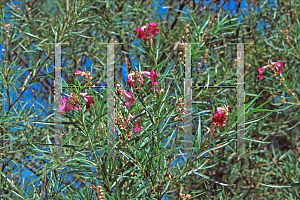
x,y
219,116
77,73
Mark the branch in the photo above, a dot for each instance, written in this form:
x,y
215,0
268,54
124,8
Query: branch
x,y
178,13
34,76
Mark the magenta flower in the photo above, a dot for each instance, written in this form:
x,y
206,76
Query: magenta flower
x,y
279,65
62,106
261,71
152,28
152,75
87,100
67,107
141,34
78,73
130,80
142,80
219,116
128,98
154,83
137,125
127,104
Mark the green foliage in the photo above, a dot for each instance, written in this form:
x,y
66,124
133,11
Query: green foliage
x,y
152,164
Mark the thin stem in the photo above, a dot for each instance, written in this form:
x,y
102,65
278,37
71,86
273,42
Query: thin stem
x,y
142,169
93,150
196,157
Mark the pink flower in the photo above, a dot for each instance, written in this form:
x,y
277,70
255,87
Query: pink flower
x,y
261,71
279,65
141,34
78,73
87,100
62,106
67,107
219,116
137,125
152,28
130,80
154,83
142,80
128,98
152,75
127,104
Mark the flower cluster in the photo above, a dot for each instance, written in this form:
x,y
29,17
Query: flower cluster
x,y
218,119
152,75
122,120
183,196
261,70
149,30
87,75
67,107
123,126
220,115
137,125
7,29
180,112
79,73
128,98
134,77
99,192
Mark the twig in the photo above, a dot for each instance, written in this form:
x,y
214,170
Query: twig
x,y
276,165
43,192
